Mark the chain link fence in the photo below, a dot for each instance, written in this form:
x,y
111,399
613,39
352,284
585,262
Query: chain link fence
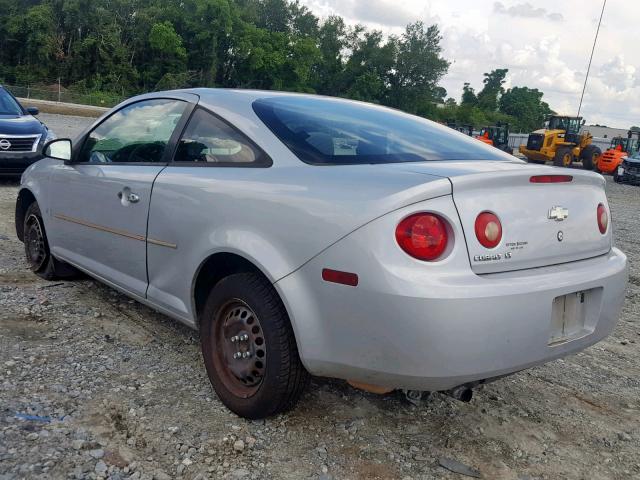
x,y
57,93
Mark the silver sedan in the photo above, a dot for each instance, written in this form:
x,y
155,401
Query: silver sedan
x,y
312,235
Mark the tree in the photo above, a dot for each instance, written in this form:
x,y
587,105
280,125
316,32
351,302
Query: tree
x,y
418,68
490,93
332,41
116,48
468,96
170,56
525,105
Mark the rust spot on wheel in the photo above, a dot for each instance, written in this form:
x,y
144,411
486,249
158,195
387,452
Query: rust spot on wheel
x,y
239,348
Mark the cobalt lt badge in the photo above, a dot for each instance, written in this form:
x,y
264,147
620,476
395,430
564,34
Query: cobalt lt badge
x,y
560,236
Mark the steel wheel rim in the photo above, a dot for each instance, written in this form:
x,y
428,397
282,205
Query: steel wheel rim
x,y
35,243
239,348
566,160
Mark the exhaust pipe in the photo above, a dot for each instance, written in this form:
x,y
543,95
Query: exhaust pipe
x,y
462,393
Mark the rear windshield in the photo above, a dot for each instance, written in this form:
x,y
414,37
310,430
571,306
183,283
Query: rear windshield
x,y
8,105
330,131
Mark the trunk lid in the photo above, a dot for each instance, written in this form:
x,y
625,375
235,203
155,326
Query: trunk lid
x,y
530,238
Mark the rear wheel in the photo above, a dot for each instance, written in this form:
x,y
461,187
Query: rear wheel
x,y
563,157
249,349
36,247
590,156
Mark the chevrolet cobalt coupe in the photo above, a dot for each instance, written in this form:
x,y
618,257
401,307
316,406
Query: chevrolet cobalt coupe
x,y
312,235
21,135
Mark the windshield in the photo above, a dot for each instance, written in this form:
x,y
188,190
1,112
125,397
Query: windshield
x,y
565,123
8,104
329,131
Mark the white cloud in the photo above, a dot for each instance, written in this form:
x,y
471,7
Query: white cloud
x,y
541,44
526,10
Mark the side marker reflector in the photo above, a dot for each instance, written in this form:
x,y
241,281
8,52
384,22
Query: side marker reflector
x,y
336,276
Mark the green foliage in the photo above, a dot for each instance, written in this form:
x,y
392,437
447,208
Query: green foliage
x,y
103,50
521,107
468,96
490,94
526,106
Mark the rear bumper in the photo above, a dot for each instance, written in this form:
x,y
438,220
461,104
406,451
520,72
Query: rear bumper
x,y
16,163
436,336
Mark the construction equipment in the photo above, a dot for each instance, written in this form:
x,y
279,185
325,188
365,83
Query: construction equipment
x,y
562,143
496,135
462,128
621,147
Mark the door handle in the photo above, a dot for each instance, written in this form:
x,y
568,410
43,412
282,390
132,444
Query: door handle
x,y
128,196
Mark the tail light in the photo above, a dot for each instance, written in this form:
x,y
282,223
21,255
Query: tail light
x,y
603,219
423,236
488,229
551,179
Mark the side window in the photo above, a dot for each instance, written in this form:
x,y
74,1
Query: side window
x,y
138,133
209,140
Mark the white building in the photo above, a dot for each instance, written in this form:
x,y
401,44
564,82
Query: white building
x,y
599,131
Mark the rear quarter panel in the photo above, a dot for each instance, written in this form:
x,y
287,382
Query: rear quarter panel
x,y
278,218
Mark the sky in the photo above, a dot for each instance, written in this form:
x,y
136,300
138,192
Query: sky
x,y
545,44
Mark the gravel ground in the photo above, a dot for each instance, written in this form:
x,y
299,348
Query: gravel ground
x,y
94,385
65,126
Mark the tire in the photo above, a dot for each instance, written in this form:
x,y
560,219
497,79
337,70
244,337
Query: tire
x,y
589,157
563,157
537,162
36,248
616,177
272,378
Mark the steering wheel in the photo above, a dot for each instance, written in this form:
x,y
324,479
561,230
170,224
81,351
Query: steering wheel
x,y
146,152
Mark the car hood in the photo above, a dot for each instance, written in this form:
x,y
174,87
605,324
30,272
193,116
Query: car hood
x,y
20,125
634,160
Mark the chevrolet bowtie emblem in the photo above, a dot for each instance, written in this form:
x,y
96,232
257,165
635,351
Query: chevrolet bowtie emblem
x,y
558,214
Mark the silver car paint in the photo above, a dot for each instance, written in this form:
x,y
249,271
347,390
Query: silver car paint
x,y
407,324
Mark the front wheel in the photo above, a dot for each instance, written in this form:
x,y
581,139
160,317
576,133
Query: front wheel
x,y
36,248
563,157
249,348
590,156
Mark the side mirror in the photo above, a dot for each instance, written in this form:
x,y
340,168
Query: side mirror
x,y
59,149
32,111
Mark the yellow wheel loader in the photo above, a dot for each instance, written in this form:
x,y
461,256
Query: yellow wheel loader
x,y
562,143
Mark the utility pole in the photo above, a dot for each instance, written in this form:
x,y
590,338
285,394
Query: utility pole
x,y
604,4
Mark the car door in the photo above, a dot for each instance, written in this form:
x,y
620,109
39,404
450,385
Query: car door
x,y
100,200
195,199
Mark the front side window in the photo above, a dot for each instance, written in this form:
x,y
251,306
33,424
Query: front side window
x,y
208,140
8,104
329,131
138,133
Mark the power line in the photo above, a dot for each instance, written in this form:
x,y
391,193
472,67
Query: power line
x,y
595,40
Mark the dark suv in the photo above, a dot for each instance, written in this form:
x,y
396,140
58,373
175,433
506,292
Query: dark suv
x,y
21,135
